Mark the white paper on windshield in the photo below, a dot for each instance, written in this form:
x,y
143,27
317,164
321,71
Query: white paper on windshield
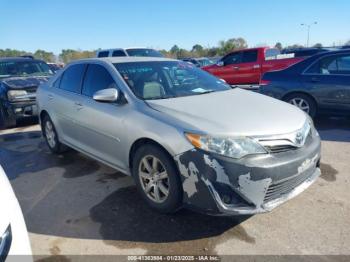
x,y
199,90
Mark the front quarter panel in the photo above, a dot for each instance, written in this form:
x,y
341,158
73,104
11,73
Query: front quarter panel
x,y
147,123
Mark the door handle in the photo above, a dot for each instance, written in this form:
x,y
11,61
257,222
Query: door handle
x,y
315,79
236,68
50,97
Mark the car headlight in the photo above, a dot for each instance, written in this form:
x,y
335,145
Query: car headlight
x,y
311,125
5,243
235,147
14,95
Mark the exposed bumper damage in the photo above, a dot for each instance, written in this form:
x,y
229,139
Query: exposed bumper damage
x,y
255,184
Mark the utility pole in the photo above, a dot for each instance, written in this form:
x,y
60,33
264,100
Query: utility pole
x,y
308,31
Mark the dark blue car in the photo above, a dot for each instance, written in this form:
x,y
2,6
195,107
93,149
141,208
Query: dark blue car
x,y
319,84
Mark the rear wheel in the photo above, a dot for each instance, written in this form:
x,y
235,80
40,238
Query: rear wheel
x,y
51,137
303,102
157,178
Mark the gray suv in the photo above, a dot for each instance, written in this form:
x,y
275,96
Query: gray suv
x,y
185,136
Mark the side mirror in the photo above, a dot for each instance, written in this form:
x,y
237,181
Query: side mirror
x,y
220,63
106,95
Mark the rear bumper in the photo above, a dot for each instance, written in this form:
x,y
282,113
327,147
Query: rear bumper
x,y
255,184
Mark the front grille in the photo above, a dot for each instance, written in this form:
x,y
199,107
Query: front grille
x,y
280,148
31,90
280,188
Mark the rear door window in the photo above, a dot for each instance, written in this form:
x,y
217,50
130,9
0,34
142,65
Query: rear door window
x,y
250,56
97,78
72,78
343,64
331,65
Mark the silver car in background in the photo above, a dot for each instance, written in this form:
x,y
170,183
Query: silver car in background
x,y
185,136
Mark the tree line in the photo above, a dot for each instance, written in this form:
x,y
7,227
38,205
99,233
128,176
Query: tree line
x,y
223,47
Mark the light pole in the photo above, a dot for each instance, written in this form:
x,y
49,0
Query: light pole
x,y
308,31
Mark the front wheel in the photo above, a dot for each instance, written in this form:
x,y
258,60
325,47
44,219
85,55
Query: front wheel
x,y
6,122
303,102
157,179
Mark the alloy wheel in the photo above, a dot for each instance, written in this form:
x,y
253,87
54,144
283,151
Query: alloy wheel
x,y
154,179
50,134
301,103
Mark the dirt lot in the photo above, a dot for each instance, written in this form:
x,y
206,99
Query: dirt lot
x,y
75,205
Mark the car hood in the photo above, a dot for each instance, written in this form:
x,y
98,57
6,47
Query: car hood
x,y
11,215
233,112
24,82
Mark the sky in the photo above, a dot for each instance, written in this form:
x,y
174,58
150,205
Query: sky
x,y
91,24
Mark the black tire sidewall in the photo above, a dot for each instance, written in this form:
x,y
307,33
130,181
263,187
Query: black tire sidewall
x,y
309,100
2,119
174,200
5,122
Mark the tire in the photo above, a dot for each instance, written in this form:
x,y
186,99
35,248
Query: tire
x,y
51,137
5,122
303,102
166,203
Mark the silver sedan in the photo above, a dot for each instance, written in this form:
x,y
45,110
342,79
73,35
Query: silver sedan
x,y
186,137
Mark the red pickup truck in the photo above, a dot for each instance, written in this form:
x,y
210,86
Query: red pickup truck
x,y
248,65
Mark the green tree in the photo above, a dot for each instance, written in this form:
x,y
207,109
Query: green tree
x,y
198,50
174,50
318,45
231,44
12,52
213,51
239,43
43,55
182,53
278,45
294,46
68,55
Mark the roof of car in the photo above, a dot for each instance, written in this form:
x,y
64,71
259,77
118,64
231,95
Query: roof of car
x,y
340,51
126,59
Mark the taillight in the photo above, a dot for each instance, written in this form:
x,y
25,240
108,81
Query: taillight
x,y
264,82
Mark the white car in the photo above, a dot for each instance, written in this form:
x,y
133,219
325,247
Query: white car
x,y
13,231
131,51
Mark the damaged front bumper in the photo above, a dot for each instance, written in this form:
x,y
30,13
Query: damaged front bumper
x,y
220,185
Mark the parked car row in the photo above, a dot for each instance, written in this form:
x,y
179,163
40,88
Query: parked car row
x,y
324,90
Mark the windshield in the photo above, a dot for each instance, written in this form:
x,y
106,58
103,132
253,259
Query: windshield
x,y
144,52
24,68
160,80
